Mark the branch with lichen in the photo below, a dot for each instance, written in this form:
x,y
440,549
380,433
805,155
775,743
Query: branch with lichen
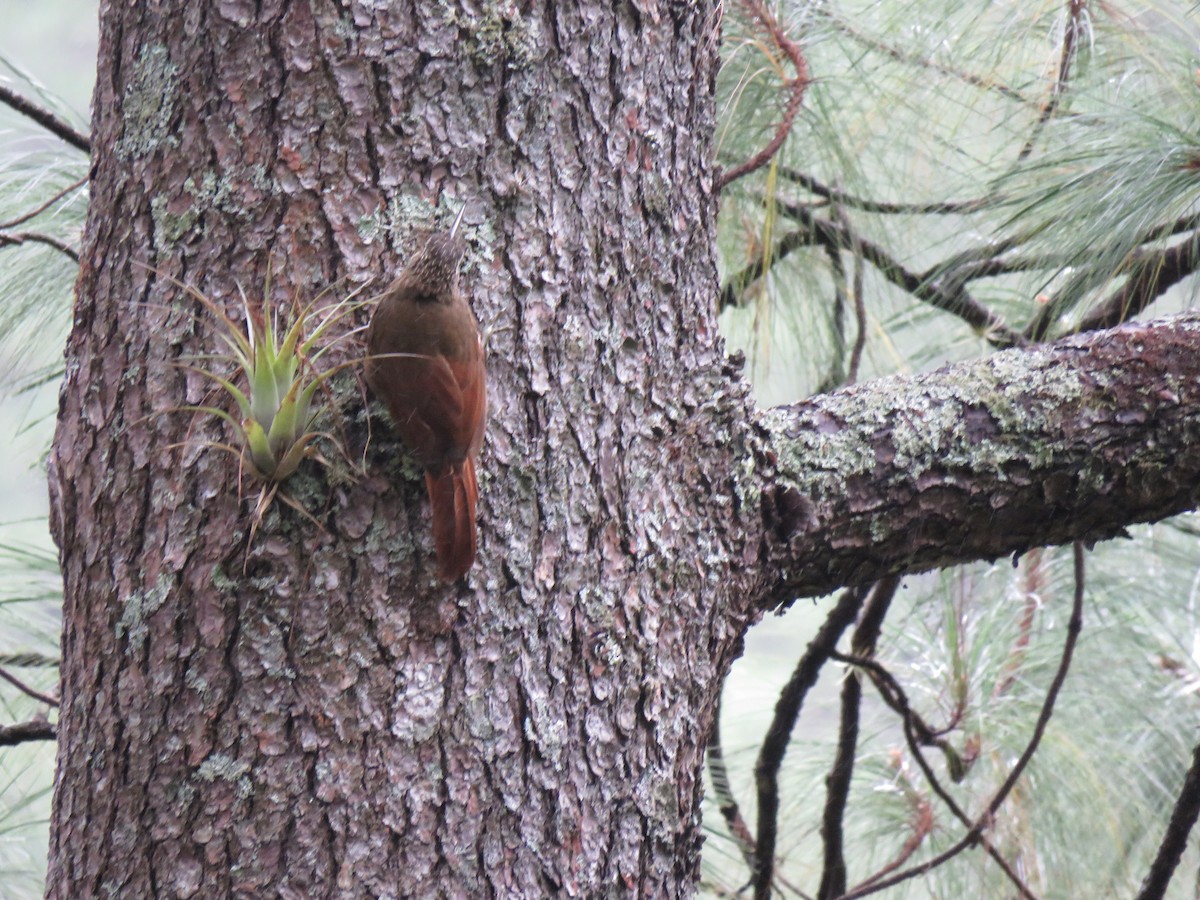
x,y
1073,440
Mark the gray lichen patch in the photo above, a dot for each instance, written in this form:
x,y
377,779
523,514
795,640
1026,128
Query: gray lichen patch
x,y
221,767
500,35
816,451
148,104
176,216
972,417
139,606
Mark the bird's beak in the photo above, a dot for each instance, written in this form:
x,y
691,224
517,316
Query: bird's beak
x,y
457,220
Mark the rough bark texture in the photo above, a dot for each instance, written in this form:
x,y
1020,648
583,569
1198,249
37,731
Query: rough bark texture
x,y
320,716
1072,440
302,727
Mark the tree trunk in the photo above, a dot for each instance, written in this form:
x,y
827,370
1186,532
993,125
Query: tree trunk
x,y
308,710
334,721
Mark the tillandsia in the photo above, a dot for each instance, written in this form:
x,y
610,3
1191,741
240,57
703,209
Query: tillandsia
x,y
276,355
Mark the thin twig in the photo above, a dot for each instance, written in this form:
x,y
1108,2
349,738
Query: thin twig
x,y
1075,11
1153,276
860,306
797,86
954,300
821,231
19,220
45,118
924,62
836,377
916,734
26,689
834,195
1175,841
837,786
866,636
16,238
718,773
24,732
28,660
1148,274
787,712
973,836
895,699
731,294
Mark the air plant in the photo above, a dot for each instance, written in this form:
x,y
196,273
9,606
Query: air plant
x,y
276,355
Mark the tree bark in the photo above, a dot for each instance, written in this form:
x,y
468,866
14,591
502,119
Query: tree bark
x,y
333,721
312,712
1069,441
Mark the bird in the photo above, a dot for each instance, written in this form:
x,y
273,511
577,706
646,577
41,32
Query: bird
x,y
425,363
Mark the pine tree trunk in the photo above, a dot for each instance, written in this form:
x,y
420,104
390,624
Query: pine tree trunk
x,y
318,715
305,710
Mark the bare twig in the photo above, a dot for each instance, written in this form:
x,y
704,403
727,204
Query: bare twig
x,y
26,689
975,834
797,86
837,784
24,732
916,734
784,247
1150,272
836,376
45,118
1175,841
955,300
924,62
866,636
21,219
787,712
16,238
726,802
1075,13
834,195
1153,276
28,660
860,306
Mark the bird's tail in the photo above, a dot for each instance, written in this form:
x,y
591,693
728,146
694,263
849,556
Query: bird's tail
x,y
452,494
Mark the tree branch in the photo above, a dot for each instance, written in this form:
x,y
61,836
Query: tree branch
x,y
1074,26
1149,281
1065,441
946,207
38,210
24,732
798,85
930,290
957,301
866,636
787,712
48,120
16,238
26,689
917,733
1175,841
984,820
718,773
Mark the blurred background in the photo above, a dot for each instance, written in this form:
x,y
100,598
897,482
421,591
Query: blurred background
x,y
47,52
